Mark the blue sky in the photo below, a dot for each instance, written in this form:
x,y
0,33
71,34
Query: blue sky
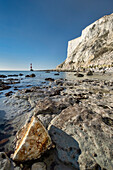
x,y
37,31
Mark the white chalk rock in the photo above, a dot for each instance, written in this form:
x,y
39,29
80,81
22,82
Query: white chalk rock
x,y
93,48
32,140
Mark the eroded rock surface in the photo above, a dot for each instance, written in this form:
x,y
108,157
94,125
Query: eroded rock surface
x,y
5,163
79,114
89,129
67,148
46,109
32,141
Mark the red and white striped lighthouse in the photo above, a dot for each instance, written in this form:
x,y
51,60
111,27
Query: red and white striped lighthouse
x,y
31,69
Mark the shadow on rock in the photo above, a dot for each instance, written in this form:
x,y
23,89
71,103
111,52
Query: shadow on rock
x,y
67,148
2,114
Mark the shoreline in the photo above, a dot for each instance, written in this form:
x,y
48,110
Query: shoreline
x,y
64,70
90,99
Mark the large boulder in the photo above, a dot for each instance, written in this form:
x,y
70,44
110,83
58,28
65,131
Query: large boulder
x,y
93,133
67,147
32,141
47,109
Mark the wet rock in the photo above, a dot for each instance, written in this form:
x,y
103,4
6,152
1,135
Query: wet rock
x,y
79,75
4,87
27,90
12,81
56,74
49,79
43,82
5,163
89,73
16,82
15,88
8,94
3,76
38,166
32,141
31,75
3,141
20,74
56,91
59,82
27,76
13,75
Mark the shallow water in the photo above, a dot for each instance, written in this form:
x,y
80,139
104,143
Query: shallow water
x,y
40,78
37,81
41,75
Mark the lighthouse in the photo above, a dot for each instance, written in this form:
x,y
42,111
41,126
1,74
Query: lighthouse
x,y
31,69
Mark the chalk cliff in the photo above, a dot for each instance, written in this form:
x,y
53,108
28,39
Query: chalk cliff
x,y
93,48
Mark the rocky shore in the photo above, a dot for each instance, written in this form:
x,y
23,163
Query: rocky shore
x,y
65,125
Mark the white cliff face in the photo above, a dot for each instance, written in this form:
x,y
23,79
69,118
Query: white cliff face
x,y
72,45
94,47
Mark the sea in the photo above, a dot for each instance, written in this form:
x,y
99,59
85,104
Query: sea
x,y
27,82
39,80
41,75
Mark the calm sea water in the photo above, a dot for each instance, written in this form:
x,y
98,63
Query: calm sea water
x,y
41,75
26,82
37,81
